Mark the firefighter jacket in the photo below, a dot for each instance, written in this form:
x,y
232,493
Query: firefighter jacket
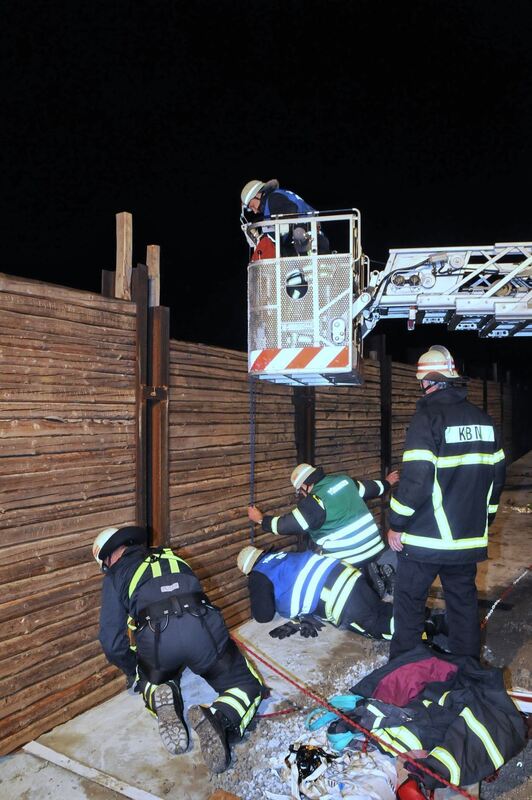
x,y
305,583
336,518
283,201
140,577
452,476
448,705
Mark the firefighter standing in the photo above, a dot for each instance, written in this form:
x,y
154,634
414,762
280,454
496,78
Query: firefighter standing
x,y
296,585
452,476
332,511
175,627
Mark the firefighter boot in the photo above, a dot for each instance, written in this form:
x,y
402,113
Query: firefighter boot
x,y
172,727
213,737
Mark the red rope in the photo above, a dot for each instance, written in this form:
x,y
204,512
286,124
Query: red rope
x,y
506,592
351,722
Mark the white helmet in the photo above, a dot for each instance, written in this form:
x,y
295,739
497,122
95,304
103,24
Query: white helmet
x,y
300,474
250,190
247,558
110,538
436,365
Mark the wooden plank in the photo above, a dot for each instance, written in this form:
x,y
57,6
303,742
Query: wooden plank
x,y
153,262
124,255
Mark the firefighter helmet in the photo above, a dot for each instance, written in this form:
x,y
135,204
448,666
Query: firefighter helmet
x,y
436,365
247,558
300,474
111,538
250,190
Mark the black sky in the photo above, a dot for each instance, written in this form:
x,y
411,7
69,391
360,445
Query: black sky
x,y
417,113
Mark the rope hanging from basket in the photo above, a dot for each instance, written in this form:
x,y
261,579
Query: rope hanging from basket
x,y
252,417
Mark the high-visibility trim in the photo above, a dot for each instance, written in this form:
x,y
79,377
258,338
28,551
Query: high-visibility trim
x,y
329,596
248,716
498,456
468,459
352,527
400,508
361,488
419,455
380,487
385,735
377,712
295,600
354,556
484,735
275,520
462,434
449,762
233,702
439,514
239,694
427,703
300,519
342,599
441,701
167,555
406,736
139,572
310,594
493,509
337,486
156,570
253,671
440,544
357,627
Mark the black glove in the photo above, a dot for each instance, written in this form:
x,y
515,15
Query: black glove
x,y
283,631
309,625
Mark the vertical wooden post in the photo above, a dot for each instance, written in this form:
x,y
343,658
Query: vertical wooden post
x,y
124,255
303,399
140,296
153,261
158,505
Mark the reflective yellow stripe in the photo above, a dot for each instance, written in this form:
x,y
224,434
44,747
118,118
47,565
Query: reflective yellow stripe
x,y
275,520
400,508
441,518
230,701
427,703
358,628
342,599
156,570
167,555
240,694
448,761
141,569
253,671
484,735
498,456
441,701
386,734
250,713
404,735
465,460
419,455
440,544
329,596
493,509
298,516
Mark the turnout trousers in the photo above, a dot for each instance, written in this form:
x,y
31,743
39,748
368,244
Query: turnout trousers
x,y
201,642
412,583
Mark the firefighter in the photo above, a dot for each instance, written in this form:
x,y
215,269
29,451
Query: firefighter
x,y
332,511
266,199
155,593
452,476
301,585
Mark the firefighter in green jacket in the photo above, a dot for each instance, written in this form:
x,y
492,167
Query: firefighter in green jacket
x,y
452,476
332,511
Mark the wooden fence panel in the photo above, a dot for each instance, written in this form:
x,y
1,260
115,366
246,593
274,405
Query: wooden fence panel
x,y
475,392
68,444
494,404
209,465
405,394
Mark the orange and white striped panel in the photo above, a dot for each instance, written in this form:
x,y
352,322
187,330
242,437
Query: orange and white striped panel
x,y
299,359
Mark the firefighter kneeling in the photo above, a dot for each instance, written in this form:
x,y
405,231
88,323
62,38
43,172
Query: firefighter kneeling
x,y
175,627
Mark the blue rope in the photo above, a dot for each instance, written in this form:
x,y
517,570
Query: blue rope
x,y
252,416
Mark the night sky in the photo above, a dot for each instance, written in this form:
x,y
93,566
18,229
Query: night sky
x,y
417,113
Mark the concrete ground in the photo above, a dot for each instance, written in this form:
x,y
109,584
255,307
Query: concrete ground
x,y
117,747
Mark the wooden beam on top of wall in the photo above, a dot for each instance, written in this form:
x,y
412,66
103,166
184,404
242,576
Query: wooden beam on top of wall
x,y
153,262
124,255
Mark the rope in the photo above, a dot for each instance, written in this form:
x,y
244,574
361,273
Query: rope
x,y
503,595
252,418
352,723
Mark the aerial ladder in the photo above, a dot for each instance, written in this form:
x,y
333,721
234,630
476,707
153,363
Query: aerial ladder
x,y
309,312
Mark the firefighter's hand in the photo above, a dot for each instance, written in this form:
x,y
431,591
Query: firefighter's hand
x,y
392,477
394,540
255,514
283,631
309,625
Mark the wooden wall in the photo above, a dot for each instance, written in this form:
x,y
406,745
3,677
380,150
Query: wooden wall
x,y
405,394
209,465
67,424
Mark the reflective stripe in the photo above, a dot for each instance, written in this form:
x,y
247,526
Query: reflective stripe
x,y
399,508
337,486
156,570
356,525
466,460
377,712
406,736
342,599
439,514
167,555
275,520
493,509
231,701
310,594
386,735
498,456
457,434
295,600
358,628
448,761
300,519
380,487
240,693
419,455
361,488
253,671
427,703
248,716
439,544
355,555
484,735
329,596
441,701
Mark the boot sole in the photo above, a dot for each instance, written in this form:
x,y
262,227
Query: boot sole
x,y
172,729
215,754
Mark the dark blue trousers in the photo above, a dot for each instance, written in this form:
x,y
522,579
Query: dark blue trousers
x,y
412,583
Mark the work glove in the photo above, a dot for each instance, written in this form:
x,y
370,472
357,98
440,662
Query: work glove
x,y
283,631
309,625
